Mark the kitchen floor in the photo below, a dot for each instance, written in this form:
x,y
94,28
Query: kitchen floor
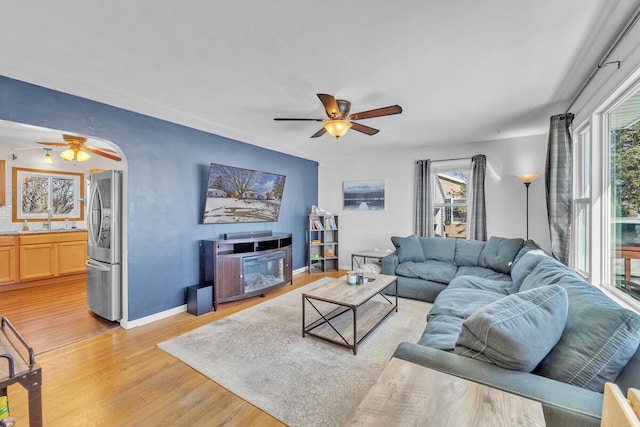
x,y
51,316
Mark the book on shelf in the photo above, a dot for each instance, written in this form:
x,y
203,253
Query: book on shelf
x,y
316,224
330,223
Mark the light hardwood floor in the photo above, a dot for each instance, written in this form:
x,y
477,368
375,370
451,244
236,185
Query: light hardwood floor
x,y
50,316
121,378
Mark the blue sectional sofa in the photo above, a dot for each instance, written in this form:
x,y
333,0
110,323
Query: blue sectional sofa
x,y
507,315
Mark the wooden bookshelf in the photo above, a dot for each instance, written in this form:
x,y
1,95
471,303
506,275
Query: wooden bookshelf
x,y
322,243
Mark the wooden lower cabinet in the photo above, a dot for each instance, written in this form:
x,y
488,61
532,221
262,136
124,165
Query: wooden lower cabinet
x,y
72,257
38,261
231,270
8,259
41,257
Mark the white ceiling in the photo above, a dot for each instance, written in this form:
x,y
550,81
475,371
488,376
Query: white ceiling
x,y
463,70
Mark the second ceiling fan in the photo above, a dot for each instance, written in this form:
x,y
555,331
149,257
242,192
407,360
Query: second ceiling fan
x,y
340,121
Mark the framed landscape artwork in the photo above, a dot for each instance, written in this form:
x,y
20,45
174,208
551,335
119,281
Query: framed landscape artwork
x,y
363,195
238,195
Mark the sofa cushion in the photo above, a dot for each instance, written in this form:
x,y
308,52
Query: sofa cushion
x,y
517,331
483,272
524,265
408,248
438,248
498,253
502,287
599,337
450,309
468,251
437,271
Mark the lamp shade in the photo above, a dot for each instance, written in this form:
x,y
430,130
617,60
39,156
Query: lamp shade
x,y
47,158
76,154
527,178
337,127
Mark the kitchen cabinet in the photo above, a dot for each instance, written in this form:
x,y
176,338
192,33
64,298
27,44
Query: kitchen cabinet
x,y
38,261
72,257
51,255
8,259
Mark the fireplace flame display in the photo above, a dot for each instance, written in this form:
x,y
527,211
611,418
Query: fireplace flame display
x,y
263,271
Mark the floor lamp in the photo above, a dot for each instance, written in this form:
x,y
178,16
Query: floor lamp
x,y
527,179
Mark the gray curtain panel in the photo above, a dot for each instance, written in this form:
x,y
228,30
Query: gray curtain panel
x,y
559,185
424,205
477,213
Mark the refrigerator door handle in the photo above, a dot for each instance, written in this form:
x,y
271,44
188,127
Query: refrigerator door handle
x,y
93,264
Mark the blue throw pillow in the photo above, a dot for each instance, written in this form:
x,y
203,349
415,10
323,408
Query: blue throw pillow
x,y
438,248
517,331
599,338
498,253
468,251
408,248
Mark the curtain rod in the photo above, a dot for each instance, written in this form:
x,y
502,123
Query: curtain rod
x,y
603,62
449,160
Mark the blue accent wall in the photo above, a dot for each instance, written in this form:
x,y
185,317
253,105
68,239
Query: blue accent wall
x,y
168,165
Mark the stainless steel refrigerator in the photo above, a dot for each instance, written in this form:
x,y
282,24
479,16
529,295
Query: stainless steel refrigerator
x,y
104,223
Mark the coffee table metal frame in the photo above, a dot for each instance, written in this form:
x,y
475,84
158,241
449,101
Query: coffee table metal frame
x,y
360,257
343,306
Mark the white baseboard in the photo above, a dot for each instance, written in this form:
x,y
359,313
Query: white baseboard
x,y
150,319
171,312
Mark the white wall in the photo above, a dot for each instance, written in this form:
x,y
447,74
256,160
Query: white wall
x,y
505,194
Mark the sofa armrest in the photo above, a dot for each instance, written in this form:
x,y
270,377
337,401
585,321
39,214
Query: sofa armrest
x,y
563,404
389,264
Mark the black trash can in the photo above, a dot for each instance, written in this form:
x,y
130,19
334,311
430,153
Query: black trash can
x,y
199,299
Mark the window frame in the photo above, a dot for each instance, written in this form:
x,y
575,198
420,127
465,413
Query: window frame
x,y
605,253
582,198
18,174
442,167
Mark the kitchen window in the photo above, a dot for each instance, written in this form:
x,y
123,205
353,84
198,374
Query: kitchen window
x,y
39,193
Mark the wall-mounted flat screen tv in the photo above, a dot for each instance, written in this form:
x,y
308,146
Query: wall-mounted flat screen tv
x,y
238,195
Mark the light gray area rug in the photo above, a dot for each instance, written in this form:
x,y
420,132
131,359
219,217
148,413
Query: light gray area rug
x,y
260,355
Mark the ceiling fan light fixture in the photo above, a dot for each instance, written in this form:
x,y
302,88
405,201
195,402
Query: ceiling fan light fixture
x,y
68,154
337,127
75,154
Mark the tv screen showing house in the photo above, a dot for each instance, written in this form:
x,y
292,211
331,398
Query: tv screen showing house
x,y
238,195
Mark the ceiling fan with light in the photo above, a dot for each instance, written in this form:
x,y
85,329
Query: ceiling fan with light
x,y
78,150
340,121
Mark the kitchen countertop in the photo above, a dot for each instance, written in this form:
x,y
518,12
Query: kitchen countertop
x,y
60,230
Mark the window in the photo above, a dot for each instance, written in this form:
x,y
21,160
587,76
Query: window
x,y
38,192
582,202
622,126
449,185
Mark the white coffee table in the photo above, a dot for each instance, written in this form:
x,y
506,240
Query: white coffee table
x,y
346,314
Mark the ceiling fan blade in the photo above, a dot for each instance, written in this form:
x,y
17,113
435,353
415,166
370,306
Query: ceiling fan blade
x,y
101,153
378,112
55,144
108,150
364,129
321,132
74,139
299,120
330,105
